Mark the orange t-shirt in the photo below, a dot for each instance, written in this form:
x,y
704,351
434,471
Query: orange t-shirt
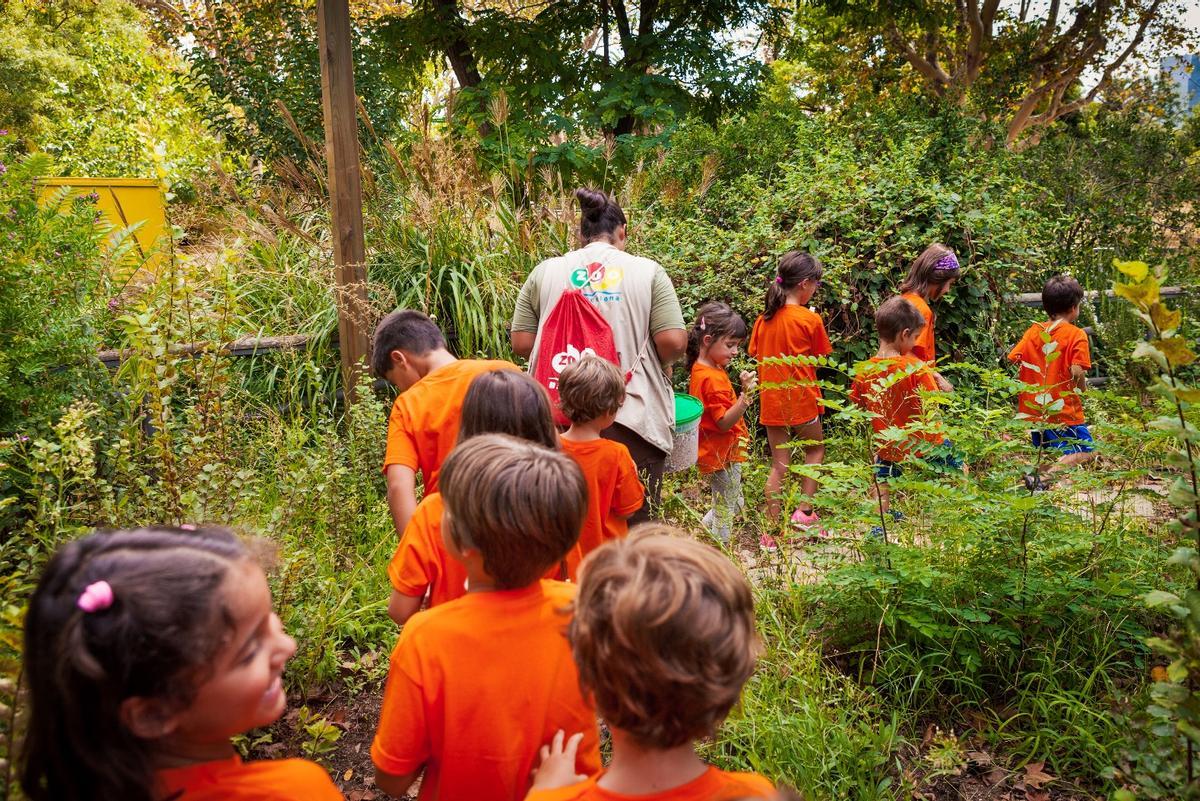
x,y
476,687
614,491
923,349
422,564
234,780
1070,343
712,785
793,331
423,424
895,404
718,449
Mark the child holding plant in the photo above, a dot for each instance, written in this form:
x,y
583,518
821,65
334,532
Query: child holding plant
x,y
145,652
590,392
712,344
1054,356
477,685
790,400
663,637
930,277
498,402
889,385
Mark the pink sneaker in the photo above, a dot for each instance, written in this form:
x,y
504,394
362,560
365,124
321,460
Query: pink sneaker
x,y
808,522
767,543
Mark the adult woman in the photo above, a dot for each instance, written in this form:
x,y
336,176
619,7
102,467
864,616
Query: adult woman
x,y
638,300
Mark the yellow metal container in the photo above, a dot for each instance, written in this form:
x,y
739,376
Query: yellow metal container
x,y
124,202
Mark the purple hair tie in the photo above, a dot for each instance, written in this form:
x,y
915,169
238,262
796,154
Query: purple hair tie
x,y
95,597
779,279
946,264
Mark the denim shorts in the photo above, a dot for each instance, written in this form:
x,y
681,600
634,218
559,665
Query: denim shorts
x,y
943,457
1071,439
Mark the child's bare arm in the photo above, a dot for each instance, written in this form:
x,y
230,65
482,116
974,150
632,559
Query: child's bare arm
x,y
1079,376
401,607
738,409
395,786
401,495
557,768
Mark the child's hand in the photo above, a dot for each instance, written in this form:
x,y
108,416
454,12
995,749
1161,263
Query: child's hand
x,y
557,768
749,381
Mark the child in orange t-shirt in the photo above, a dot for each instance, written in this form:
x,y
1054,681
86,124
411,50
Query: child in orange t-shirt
x,y
663,636
476,685
409,351
1055,357
498,402
590,392
889,386
145,652
712,344
930,277
789,398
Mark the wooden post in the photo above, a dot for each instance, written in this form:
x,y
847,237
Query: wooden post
x,y
345,186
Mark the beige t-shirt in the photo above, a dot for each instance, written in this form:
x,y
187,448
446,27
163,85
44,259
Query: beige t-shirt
x,y
636,297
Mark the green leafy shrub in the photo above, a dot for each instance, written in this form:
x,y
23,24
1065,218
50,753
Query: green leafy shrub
x,y
1161,762
52,296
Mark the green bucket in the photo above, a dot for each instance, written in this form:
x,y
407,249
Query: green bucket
x,y
686,439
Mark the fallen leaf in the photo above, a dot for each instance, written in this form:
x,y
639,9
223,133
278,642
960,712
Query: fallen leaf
x,y
1037,795
348,775
995,776
1035,776
979,757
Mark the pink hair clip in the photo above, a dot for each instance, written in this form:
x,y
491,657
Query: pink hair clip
x,y
701,323
187,526
779,279
95,597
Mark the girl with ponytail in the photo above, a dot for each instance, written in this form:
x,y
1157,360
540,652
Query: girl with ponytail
x,y
712,344
786,340
146,651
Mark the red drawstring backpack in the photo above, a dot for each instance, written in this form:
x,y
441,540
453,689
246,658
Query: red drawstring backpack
x,y
574,329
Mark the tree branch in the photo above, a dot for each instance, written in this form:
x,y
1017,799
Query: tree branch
x,y
931,71
457,48
622,17
647,16
1025,119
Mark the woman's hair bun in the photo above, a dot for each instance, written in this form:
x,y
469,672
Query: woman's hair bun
x,y
591,201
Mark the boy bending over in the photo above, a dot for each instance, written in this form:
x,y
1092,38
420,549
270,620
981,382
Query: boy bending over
x,y
409,351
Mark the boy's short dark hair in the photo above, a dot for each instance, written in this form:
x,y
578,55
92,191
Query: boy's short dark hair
x,y
403,329
519,504
1061,294
589,388
894,315
663,635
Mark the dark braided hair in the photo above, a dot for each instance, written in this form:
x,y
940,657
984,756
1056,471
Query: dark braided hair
x,y
794,268
717,320
165,625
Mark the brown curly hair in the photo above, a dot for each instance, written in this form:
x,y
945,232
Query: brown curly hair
x,y
663,635
589,388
